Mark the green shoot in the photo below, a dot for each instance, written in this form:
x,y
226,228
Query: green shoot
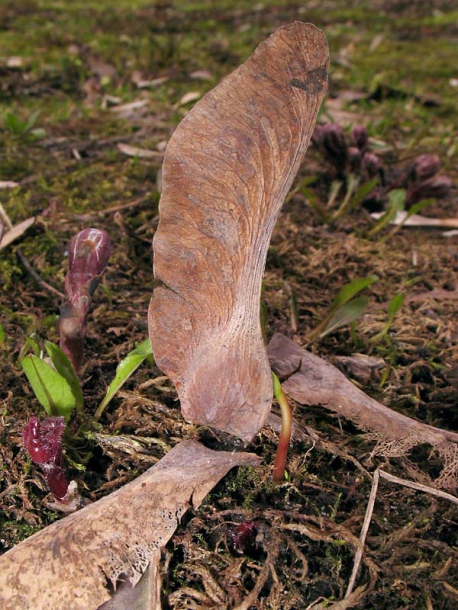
x,y
285,434
124,370
414,209
64,367
2,337
343,309
347,313
354,196
52,390
393,308
396,203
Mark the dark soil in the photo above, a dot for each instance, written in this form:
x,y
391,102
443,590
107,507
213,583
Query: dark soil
x,y
294,544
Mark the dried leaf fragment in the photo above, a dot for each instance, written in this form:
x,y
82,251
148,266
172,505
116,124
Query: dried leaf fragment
x,y
70,563
313,381
226,172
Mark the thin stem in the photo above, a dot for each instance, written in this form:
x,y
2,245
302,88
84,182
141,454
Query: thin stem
x,y
285,434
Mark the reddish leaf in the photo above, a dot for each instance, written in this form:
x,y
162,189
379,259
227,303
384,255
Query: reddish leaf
x,y
43,442
226,172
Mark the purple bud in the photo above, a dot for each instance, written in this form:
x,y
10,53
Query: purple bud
x,y
370,165
436,187
244,537
354,159
360,138
334,145
88,257
43,442
426,166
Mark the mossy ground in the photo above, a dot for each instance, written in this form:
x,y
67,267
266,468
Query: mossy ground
x,y
60,126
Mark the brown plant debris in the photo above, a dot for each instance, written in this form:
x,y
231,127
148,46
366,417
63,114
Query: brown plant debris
x,y
315,381
226,172
78,562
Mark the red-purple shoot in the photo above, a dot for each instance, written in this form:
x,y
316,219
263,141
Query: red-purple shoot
x,y
333,142
244,537
360,138
88,257
426,166
43,442
370,165
436,187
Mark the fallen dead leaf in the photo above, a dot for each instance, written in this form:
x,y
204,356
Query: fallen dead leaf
x,y
8,184
129,110
76,562
313,381
188,98
141,153
16,232
416,220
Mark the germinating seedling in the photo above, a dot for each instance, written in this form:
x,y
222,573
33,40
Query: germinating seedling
x,y
52,373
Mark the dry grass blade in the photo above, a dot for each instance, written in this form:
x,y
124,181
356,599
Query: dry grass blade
x,y
227,170
370,509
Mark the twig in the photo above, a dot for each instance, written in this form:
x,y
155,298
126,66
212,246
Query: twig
x,y
6,219
252,597
362,537
419,487
370,509
24,260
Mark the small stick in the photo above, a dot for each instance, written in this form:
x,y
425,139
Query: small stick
x,y
419,487
6,219
285,434
24,260
364,530
370,509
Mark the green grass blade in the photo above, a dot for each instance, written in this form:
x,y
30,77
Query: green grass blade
x,y
51,389
64,367
124,370
351,289
349,312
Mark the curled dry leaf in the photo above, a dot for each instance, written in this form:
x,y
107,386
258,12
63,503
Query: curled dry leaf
x,y
417,220
141,153
313,381
17,231
226,172
76,562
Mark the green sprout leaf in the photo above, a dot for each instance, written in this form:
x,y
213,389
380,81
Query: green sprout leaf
x,y
65,369
414,209
51,389
339,315
395,305
396,203
393,308
349,312
351,289
124,370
